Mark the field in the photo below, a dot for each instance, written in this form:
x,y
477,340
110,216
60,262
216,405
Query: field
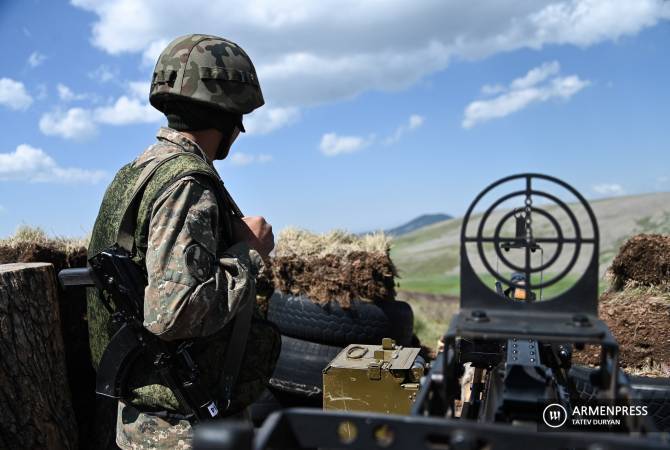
x,y
427,259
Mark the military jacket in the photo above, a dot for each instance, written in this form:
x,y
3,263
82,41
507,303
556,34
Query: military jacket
x,y
195,274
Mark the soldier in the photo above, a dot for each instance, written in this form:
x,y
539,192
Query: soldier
x,y
200,255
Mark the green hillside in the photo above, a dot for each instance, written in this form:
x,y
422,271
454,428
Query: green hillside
x,y
428,258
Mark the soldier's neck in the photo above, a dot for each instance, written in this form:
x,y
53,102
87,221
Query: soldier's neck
x,y
208,140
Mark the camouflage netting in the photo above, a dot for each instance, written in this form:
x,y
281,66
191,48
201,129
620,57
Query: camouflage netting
x,y
335,266
637,307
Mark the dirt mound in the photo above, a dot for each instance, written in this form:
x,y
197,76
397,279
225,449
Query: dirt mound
x,y
30,244
637,308
644,260
638,319
33,252
336,266
337,278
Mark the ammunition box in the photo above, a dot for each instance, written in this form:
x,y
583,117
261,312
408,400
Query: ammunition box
x,y
376,378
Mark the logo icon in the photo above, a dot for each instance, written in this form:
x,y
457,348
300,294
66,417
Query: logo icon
x,y
554,415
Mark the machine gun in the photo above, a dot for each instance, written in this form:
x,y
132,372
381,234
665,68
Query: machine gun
x,y
520,348
122,283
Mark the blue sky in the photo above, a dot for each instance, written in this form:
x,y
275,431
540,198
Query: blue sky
x,y
376,111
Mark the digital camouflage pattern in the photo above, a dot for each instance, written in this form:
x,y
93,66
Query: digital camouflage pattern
x,y
154,432
196,283
206,69
137,430
181,265
113,206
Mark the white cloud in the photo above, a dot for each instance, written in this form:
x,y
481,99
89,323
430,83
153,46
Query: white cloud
x,y
82,123
35,59
2,209
333,145
13,94
139,89
414,122
67,95
32,164
305,54
127,111
104,73
536,86
244,159
609,189
536,75
75,123
267,119
491,89
152,51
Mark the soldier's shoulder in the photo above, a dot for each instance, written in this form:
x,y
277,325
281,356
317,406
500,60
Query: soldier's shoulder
x,y
156,149
190,192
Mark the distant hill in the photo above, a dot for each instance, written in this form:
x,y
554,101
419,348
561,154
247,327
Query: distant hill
x,y
430,252
419,222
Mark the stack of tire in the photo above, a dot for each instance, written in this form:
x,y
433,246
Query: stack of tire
x,y
313,334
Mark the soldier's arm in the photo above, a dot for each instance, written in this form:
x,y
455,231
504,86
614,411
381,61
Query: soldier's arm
x,y
187,292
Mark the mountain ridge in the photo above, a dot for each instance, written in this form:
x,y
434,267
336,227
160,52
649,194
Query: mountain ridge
x,y
432,251
418,222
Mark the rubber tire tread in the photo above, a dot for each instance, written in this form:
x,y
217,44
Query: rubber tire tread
x,y
300,365
362,323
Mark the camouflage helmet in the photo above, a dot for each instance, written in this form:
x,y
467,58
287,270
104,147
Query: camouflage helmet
x,y
209,70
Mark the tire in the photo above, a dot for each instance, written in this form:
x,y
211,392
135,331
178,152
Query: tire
x,y
362,323
300,365
581,376
653,393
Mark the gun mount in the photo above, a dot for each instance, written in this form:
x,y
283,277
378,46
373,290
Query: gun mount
x,y
519,346
527,342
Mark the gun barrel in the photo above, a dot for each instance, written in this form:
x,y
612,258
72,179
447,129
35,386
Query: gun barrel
x,y
82,276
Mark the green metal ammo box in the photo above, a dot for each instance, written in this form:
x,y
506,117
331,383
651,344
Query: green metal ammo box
x,y
376,378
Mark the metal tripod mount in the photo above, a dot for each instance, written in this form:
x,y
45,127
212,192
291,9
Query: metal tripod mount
x,y
570,317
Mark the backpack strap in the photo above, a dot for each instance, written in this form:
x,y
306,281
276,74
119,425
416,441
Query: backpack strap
x,y
125,236
236,347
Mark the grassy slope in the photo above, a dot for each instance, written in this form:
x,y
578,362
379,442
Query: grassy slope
x,y
428,259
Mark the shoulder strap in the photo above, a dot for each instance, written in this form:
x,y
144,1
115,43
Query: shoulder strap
x,y
236,348
125,236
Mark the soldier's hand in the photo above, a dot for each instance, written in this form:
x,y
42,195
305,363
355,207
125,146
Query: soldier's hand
x,y
256,232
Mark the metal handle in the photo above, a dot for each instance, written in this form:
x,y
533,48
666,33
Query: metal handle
x,y
76,277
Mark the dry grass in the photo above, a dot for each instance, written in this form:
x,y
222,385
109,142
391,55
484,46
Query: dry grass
x,y
27,235
31,244
294,242
650,368
633,291
335,266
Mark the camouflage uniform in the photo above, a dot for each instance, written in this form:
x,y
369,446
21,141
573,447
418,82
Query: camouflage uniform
x,y
187,294
198,277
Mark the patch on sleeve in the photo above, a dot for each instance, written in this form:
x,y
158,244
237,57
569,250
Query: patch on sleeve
x,y
199,262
